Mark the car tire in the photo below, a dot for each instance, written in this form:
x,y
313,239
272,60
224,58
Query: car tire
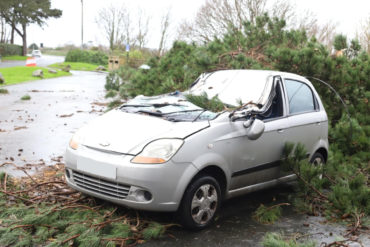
x,y
318,160
200,203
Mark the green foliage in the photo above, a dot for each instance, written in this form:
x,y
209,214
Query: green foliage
x,y
52,225
10,50
26,97
267,215
154,230
33,46
4,91
111,94
86,56
214,104
277,240
340,42
112,81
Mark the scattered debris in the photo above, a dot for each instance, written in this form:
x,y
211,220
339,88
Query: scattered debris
x,y
41,91
99,103
46,211
2,80
66,115
100,68
38,73
20,127
67,68
52,71
26,97
4,91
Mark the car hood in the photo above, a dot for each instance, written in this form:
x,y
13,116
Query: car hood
x,y
128,133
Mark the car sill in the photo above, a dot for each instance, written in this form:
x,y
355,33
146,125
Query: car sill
x,y
264,185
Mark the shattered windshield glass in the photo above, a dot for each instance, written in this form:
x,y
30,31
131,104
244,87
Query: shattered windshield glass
x,y
173,107
235,87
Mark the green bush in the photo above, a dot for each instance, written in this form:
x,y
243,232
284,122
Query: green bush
x,y
86,56
9,49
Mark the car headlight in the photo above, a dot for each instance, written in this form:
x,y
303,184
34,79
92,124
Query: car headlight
x,y
75,141
159,151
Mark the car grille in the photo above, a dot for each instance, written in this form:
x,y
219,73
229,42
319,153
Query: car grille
x,y
101,186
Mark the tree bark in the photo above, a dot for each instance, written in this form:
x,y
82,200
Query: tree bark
x,y
24,39
12,34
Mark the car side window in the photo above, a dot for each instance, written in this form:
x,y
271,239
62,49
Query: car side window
x,y
300,97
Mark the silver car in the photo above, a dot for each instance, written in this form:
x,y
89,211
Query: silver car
x,y
164,153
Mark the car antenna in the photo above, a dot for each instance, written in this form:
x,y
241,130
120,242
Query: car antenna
x,y
344,104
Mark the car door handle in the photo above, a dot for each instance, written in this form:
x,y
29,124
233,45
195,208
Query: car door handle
x,y
280,130
318,123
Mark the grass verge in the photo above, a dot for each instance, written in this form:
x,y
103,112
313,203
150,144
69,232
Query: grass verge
x,y
18,74
76,66
14,58
41,210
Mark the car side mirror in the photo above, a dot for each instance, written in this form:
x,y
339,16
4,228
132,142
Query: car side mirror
x,y
255,128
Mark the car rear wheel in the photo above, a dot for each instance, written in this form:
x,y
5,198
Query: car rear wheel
x,y
318,160
200,203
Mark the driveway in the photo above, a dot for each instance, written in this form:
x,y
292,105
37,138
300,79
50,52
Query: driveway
x,y
41,127
43,61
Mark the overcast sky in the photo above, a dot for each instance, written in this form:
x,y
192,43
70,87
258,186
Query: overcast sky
x,y
347,14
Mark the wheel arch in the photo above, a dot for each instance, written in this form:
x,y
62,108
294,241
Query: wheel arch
x,y
324,152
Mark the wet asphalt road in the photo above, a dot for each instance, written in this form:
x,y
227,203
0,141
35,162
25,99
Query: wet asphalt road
x,y
41,127
43,61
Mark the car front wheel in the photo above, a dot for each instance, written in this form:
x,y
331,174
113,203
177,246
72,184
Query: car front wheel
x,y
200,203
318,161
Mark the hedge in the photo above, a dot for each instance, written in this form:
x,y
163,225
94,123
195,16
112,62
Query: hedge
x,y
93,57
9,49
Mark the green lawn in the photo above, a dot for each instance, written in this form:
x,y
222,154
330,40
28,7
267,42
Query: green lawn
x,y
76,66
14,75
18,58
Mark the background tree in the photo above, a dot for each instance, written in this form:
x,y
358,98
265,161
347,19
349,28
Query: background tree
x,y
363,35
110,19
165,24
24,12
340,42
142,28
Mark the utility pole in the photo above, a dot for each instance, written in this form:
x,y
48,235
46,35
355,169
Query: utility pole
x,y
82,24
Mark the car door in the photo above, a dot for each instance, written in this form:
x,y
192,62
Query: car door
x,y
303,114
256,161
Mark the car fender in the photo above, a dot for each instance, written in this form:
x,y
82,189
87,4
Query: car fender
x,y
213,159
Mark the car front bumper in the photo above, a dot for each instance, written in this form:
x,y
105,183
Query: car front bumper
x,y
165,183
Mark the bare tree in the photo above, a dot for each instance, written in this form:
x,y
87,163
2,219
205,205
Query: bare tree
x,y
363,35
3,31
216,17
142,28
110,19
324,33
165,23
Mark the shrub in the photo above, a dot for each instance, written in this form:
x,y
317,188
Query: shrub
x,y
9,50
4,91
26,97
86,56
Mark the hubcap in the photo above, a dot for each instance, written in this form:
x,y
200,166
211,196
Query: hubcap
x,y
204,204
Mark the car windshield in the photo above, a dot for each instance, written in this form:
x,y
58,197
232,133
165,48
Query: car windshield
x,y
235,87
173,107
232,87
